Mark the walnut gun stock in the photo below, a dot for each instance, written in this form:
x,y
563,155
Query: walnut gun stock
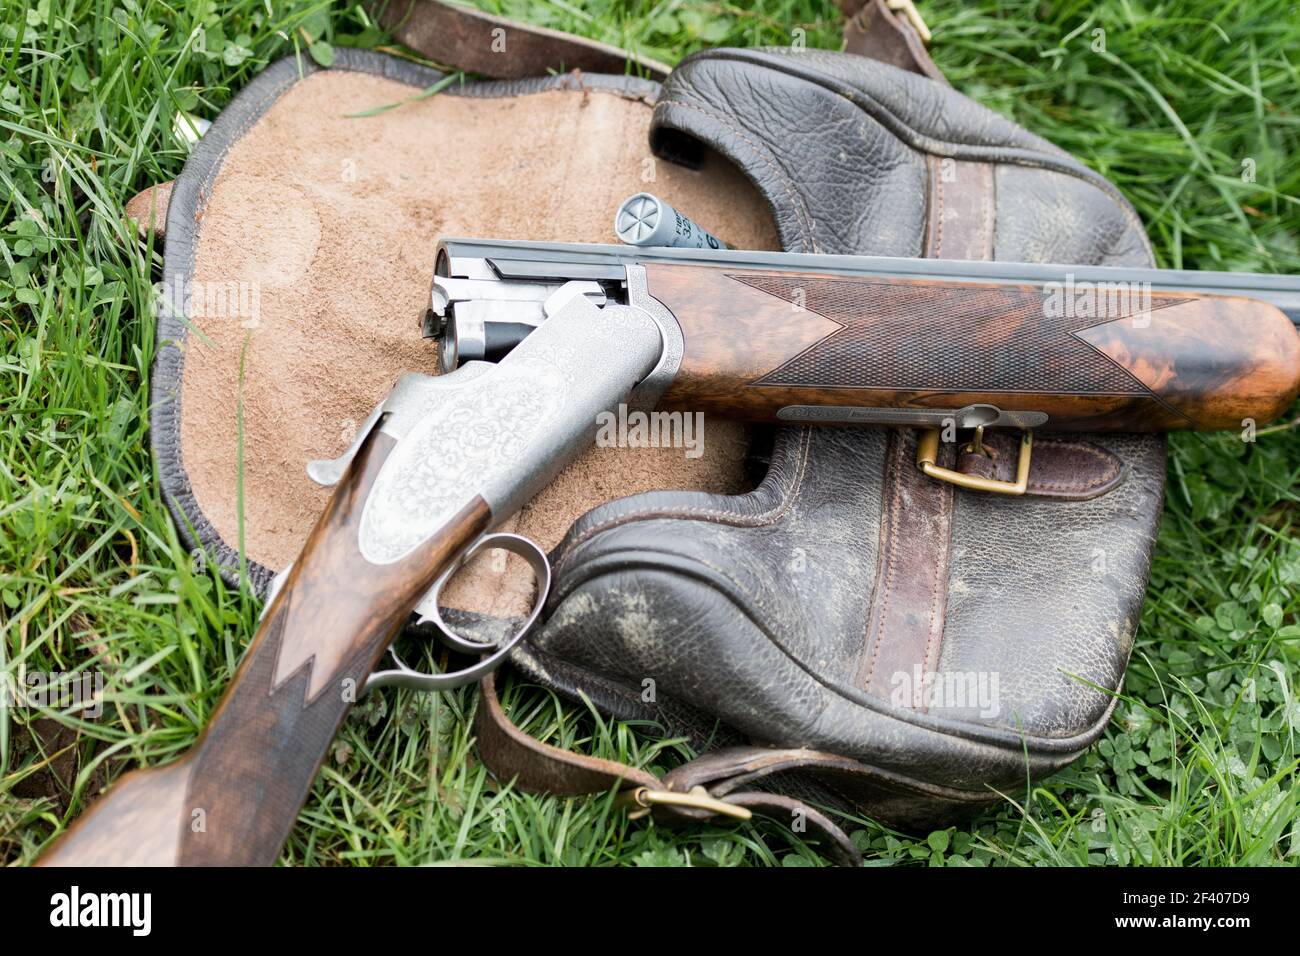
x,y
234,797
846,339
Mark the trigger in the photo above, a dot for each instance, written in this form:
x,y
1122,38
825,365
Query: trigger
x,y
496,653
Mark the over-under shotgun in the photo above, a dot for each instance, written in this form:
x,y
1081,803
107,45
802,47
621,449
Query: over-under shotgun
x,y
579,330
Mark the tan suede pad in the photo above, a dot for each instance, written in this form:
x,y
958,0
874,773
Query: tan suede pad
x,y
330,223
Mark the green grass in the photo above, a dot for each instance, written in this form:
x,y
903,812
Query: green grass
x,y
1198,766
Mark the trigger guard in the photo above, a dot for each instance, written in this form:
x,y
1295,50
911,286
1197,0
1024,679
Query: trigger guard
x,y
405,676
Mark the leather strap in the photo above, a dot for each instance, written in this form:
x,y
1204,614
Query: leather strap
x,y
963,208
538,767
1067,470
910,597
962,224
873,29
477,42
909,601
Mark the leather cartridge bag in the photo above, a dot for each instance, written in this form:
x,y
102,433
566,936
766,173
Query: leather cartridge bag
x,y
891,643
828,623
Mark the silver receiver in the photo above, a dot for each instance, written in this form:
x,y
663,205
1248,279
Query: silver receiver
x,y
487,298
496,433
482,319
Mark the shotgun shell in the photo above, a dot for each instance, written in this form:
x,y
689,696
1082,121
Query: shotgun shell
x,y
646,220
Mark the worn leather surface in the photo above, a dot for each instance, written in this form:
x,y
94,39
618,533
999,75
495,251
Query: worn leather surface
x,y
766,611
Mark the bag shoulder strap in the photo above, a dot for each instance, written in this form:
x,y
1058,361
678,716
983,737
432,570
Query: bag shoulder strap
x,y
891,31
709,787
467,39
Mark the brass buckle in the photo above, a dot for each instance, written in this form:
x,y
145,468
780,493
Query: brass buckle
x,y
927,456
908,9
697,798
